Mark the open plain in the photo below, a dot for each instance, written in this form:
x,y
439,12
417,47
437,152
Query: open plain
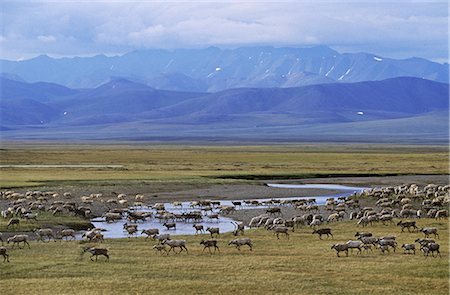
x,y
302,264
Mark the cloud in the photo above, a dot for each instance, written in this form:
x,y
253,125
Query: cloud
x,y
399,29
46,39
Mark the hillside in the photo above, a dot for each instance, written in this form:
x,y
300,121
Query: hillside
x,y
393,109
386,99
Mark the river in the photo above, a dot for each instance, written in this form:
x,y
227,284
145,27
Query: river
x,y
115,229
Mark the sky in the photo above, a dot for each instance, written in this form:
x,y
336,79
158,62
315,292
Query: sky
x,y
396,29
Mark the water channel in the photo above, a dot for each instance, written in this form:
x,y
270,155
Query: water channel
x,y
115,229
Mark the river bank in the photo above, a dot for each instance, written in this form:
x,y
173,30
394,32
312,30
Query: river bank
x,y
260,190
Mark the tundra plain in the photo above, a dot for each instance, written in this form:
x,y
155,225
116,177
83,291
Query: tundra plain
x,y
301,265
172,167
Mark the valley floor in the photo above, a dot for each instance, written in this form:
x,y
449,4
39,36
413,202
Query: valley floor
x,y
302,264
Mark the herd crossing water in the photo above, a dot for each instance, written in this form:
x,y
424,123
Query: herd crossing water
x,y
116,230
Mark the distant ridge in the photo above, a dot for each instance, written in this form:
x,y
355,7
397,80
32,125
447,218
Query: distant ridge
x,y
388,98
396,108
213,69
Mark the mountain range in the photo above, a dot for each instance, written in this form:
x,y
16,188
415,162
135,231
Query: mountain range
x,y
395,109
213,69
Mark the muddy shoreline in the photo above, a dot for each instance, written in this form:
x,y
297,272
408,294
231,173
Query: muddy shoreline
x,y
258,190
169,192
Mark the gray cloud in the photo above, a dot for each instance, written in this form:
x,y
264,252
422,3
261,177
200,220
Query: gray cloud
x,y
401,29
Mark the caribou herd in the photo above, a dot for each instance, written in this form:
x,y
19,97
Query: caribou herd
x,y
403,206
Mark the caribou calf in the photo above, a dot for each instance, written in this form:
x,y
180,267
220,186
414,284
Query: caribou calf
x,y
208,244
323,231
96,252
241,242
170,225
408,225
213,230
4,254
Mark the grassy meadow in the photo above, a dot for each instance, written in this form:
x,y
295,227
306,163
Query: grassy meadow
x,y
208,164
301,265
47,219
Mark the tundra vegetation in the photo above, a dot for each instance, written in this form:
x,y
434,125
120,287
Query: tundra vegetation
x,y
46,218
178,166
302,264
134,264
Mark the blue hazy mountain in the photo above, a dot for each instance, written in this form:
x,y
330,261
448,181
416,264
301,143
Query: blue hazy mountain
x,y
122,109
213,69
117,100
39,91
397,95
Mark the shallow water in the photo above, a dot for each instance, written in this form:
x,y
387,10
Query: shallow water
x,y
115,229
320,186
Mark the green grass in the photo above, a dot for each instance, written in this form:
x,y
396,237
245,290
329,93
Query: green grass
x,y
46,219
302,265
211,164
